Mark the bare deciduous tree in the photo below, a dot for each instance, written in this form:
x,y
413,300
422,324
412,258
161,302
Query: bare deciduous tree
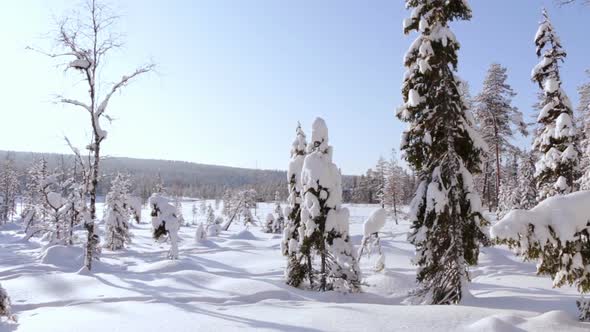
x,y
85,41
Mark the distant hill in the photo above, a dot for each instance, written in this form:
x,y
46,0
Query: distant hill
x,y
179,177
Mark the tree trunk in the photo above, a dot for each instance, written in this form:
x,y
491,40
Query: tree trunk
x,y
89,224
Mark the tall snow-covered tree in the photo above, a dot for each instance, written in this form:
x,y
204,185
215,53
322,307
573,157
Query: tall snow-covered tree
x,y
117,214
86,40
325,221
497,119
583,118
444,149
555,142
298,264
279,223
527,187
509,194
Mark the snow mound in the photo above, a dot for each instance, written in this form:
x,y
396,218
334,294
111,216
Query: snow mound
x,y
165,266
493,324
63,256
244,235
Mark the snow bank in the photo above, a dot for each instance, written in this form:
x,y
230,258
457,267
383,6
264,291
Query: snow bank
x,y
64,256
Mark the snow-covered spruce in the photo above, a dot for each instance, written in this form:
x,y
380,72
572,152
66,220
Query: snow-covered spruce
x,y
371,239
509,197
117,214
269,223
444,149
165,222
324,220
8,190
178,206
497,119
213,226
279,223
555,233
584,119
556,138
134,204
297,263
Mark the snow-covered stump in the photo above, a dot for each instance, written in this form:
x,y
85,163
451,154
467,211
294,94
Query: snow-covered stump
x,y
371,239
556,234
165,222
324,220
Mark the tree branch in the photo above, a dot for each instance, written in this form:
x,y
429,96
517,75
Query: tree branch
x,y
123,82
76,103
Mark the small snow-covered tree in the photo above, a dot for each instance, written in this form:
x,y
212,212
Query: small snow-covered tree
x,y
178,207
371,239
583,117
497,119
279,223
117,214
269,223
32,212
324,220
203,207
5,307
214,228
195,212
556,234
8,190
509,194
86,40
555,142
298,264
134,203
444,149
165,222
200,234
527,187
393,187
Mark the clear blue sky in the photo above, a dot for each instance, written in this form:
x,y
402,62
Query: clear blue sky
x,y
234,77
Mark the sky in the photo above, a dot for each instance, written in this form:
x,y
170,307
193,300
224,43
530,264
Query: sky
x,y
234,77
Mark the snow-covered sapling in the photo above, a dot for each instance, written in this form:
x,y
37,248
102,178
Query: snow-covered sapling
x,y
269,223
200,234
117,214
165,222
371,239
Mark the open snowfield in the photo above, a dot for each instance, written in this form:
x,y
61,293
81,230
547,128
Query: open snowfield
x,y
235,282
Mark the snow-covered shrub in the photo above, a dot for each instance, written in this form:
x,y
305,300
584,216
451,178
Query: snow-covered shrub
x,y
556,234
324,220
269,223
117,214
200,234
279,222
213,226
5,308
165,222
371,240
134,204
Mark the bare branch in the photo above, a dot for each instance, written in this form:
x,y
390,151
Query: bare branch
x,y
123,82
76,103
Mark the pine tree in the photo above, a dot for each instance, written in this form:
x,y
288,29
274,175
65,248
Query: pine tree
x,y
298,265
117,214
557,168
496,118
527,188
444,149
325,221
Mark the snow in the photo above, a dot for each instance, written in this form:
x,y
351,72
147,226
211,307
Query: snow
x,y
414,98
231,283
565,214
551,85
375,222
55,200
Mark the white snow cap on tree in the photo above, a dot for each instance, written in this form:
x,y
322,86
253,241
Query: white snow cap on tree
x,y
375,222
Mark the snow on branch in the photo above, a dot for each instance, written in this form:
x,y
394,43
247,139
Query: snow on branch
x,y
76,103
123,82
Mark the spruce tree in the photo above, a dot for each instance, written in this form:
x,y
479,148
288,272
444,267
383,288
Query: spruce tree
x,y
325,221
117,214
557,169
297,263
527,188
444,149
279,223
5,307
164,222
583,118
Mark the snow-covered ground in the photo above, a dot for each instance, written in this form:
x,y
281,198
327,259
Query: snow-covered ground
x,y
235,282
